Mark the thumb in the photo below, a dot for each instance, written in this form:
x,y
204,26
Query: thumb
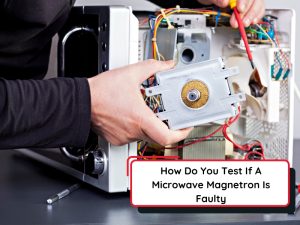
x,y
144,70
158,131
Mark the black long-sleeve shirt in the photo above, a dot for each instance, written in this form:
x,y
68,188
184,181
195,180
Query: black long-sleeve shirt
x,y
47,113
35,113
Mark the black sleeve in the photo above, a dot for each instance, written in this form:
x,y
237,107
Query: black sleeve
x,y
173,3
44,113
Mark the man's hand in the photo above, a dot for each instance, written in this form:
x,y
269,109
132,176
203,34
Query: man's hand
x,y
251,10
119,112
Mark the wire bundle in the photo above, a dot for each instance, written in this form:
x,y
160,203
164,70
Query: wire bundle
x,y
250,148
266,32
164,16
253,149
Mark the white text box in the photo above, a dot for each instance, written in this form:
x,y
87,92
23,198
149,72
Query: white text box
x,y
209,183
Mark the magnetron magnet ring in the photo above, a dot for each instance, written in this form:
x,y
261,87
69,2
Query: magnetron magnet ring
x,y
195,94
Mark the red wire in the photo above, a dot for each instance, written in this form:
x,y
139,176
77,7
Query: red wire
x,y
282,53
254,153
196,141
144,150
223,128
243,33
262,22
227,125
246,147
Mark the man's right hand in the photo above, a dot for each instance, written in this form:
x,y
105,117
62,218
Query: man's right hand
x,y
119,112
251,10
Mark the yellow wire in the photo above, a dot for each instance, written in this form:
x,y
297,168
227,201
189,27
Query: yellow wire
x,y
260,41
167,12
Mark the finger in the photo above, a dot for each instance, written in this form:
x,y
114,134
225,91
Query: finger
x,y
260,14
244,5
156,130
233,21
253,13
221,3
144,70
